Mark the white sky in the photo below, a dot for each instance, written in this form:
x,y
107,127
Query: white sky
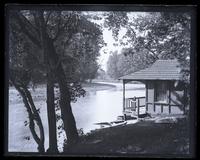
x,y
105,51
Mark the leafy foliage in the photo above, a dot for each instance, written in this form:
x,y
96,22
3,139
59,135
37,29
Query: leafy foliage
x,y
24,58
77,42
167,37
115,21
127,62
157,35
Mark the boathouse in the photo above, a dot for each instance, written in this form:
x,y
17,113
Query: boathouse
x,y
165,92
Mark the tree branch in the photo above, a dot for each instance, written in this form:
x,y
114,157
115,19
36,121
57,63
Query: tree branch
x,y
23,23
36,23
58,28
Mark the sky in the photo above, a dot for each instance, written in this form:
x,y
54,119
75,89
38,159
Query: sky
x,y
105,51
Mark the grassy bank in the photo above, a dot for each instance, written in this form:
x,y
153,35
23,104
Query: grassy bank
x,y
145,137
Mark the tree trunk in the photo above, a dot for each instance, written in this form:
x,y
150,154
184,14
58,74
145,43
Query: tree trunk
x,y
50,88
65,98
51,115
36,117
33,115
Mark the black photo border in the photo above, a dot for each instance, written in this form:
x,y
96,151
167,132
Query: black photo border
x,y
112,7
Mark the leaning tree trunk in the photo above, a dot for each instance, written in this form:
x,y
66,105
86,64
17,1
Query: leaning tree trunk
x,y
33,115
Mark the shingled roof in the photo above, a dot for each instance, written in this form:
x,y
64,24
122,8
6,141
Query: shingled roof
x,y
160,70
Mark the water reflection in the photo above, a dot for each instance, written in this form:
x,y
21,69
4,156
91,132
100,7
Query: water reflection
x,y
105,105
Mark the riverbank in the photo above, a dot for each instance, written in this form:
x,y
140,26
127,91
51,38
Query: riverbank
x,y
96,86
145,137
114,81
85,110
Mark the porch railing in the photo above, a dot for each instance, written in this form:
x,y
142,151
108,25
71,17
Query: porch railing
x,y
135,105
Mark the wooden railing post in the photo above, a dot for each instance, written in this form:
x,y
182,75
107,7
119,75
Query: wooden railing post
x,y
138,107
154,107
169,98
123,95
146,98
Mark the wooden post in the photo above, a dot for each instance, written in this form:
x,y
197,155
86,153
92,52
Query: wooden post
x,y
146,96
123,95
154,97
161,108
169,109
169,84
154,107
125,117
138,107
185,99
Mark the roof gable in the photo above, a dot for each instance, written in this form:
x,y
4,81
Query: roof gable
x,y
160,70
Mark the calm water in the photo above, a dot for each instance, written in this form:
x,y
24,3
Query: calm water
x,y
103,105
98,106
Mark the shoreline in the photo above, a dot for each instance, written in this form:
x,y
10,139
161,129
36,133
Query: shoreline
x,y
93,86
141,137
97,86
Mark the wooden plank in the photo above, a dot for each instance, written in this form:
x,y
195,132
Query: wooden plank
x,y
165,104
142,106
134,107
140,97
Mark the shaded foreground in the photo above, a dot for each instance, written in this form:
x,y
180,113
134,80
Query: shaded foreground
x,y
144,137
